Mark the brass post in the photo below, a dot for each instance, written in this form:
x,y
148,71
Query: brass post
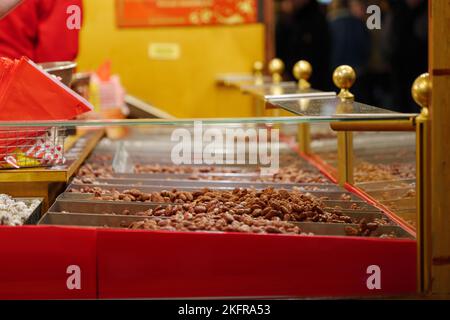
x,y
344,77
276,69
304,138
421,91
258,68
302,72
345,157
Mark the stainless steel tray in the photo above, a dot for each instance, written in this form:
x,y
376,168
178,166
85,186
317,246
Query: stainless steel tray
x,y
389,184
211,184
37,212
400,204
193,186
187,176
115,221
344,206
391,193
63,205
100,207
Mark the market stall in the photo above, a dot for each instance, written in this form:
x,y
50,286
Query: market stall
x,y
144,206
315,195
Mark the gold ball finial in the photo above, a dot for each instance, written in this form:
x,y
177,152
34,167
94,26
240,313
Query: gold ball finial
x,y
302,72
421,91
344,77
276,69
258,67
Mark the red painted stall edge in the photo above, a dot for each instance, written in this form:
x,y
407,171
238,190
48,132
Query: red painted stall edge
x,y
155,264
48,263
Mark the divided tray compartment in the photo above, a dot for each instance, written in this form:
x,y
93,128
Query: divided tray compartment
x,y
319,190
34,217
120,221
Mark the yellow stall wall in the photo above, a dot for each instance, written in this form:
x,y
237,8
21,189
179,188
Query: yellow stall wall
x,y
184,86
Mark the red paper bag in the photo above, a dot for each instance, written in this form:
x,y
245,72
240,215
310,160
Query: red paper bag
x,y
29,93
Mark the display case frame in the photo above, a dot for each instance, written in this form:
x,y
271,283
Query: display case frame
x,y
352,277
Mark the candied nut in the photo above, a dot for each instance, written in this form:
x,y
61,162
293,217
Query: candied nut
x,y
134,192
284,194
346,197
200,209
228,217
275,205
272,213
183,197
145,196
256,229
350,231
163,223
165,193
270,229
285,209
257,212
346,219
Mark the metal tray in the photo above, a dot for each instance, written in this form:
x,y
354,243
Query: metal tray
x,y
330,204
346,205
331,195
409,216
391,193
187,176
36,213
115,221
100,207
211,184
117,207
400,204
389,184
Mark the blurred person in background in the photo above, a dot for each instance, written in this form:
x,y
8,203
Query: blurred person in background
x,y
408,49
302,33
379,69
351,44
38,29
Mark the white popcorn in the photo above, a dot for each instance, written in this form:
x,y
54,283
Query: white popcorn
x,y
14,212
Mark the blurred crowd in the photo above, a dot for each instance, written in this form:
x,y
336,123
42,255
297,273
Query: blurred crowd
x,y
335,32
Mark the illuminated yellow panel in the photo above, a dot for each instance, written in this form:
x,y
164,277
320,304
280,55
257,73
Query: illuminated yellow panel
x,y
180,77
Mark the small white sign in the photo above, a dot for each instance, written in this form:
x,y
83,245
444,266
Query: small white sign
x,y
164,51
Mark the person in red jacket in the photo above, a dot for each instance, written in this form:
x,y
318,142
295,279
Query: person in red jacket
x,y
7,5
42,30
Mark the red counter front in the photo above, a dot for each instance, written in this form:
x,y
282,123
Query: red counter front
x,y
76,263
47,262
160,264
